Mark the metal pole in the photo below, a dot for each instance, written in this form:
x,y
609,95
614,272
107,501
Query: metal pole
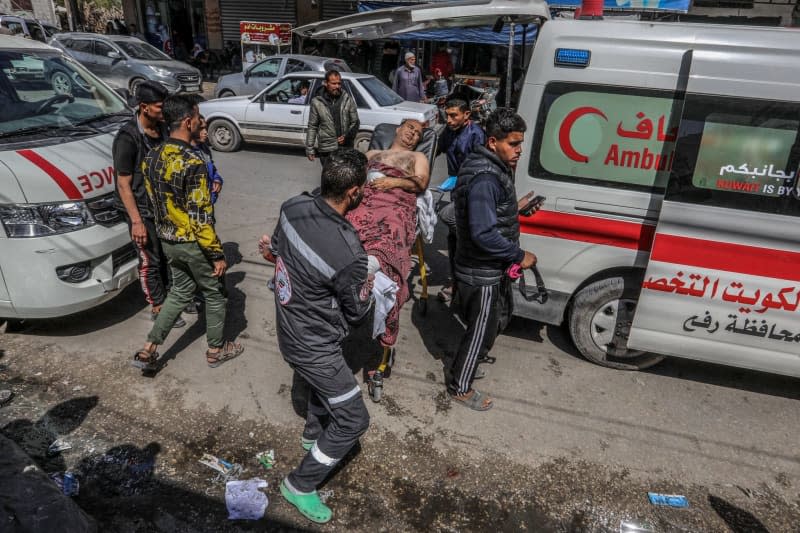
x,y
510,65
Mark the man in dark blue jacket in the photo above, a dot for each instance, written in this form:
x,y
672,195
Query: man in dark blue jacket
x,y
457,141
488,243
322,286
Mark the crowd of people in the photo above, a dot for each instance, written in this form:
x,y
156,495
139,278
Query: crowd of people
x,y
329,249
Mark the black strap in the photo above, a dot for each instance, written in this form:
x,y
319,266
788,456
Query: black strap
x,y
541,292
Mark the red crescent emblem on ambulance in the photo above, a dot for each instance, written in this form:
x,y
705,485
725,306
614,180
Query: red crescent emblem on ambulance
x,y
566,128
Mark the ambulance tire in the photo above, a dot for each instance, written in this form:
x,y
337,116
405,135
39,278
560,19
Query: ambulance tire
x,y
596,309
224,136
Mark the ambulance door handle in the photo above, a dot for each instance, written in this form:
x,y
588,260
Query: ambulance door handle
x,y
600,209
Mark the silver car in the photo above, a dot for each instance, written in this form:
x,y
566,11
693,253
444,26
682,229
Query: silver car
x,y
258,76
125,62
279,114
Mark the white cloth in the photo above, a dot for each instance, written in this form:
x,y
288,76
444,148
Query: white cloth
x,y
385,292
426,216
244,500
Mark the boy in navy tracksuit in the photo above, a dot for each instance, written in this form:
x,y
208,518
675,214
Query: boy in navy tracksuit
x,y
457,141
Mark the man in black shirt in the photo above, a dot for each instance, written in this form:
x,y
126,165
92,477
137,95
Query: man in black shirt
x,y
144,131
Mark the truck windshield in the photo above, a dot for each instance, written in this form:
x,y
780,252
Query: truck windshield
x,y
142,50
42,92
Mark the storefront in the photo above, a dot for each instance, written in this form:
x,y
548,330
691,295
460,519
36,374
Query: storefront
x,y
175,26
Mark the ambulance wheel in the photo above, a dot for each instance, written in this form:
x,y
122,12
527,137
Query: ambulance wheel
x,y
362,140
223,136
600,321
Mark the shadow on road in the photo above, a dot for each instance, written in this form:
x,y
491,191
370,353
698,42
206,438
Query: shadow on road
x,y
118,488
738,520
729,377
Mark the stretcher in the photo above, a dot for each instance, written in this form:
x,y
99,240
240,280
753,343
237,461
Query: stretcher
x,y
382,139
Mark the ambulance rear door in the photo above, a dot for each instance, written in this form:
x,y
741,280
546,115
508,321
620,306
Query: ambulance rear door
x,y
723,280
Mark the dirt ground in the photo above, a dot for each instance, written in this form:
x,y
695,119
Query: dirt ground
x,y
136,457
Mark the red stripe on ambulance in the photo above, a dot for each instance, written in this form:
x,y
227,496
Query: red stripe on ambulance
x,y
715,255
594,230
61,179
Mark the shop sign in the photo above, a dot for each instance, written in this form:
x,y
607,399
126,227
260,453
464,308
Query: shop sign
x,y
276,34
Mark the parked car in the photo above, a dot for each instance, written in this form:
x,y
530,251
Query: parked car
x,y
258,76
24,26
269,117
124,62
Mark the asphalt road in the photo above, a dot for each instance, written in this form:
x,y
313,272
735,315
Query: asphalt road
x,y
712,433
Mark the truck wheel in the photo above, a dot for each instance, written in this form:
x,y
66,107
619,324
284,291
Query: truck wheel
x,y
223,136
600,321
362,140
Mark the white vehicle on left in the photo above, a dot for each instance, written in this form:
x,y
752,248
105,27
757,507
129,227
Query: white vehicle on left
x,y
65,248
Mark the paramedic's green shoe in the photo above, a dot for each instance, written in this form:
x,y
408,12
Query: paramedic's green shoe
x,y
307,444
309,505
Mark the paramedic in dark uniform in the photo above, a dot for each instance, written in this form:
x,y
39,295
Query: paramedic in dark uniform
x,y
487,223
322,286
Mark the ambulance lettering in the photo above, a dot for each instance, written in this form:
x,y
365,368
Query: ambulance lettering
x,y
611,137
621,156
96,180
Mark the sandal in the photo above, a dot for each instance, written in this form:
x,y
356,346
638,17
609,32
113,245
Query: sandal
x,y
229,350
476,402
480,373
145,361
309,505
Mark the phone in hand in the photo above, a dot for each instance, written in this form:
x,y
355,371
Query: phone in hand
x,y
535,203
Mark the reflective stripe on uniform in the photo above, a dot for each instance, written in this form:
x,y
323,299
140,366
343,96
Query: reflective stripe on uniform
x,y
321,458
344,397
304,249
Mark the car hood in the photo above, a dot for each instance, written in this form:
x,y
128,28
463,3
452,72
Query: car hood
x,y
228,79
76,170
171,65
224,104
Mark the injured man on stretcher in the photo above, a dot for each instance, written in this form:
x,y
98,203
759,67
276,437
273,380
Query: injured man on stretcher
x,y
386,219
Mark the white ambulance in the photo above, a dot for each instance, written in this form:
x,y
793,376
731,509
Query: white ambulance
x,y
668,154
63,246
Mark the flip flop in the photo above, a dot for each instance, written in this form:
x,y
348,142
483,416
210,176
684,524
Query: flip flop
x,y
476,401
149,363
309,505
229,350
480,373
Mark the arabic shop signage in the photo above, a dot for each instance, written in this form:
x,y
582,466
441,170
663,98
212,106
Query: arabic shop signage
x,y
276,34
614,137
681,6
745,159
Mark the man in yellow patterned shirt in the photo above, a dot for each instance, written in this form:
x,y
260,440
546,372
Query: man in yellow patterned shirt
x,y
177,183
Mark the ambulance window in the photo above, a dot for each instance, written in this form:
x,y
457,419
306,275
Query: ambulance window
x,y
608,136
738,153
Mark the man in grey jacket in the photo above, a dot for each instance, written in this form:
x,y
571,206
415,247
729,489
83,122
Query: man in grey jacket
x,y
333,121
322,286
